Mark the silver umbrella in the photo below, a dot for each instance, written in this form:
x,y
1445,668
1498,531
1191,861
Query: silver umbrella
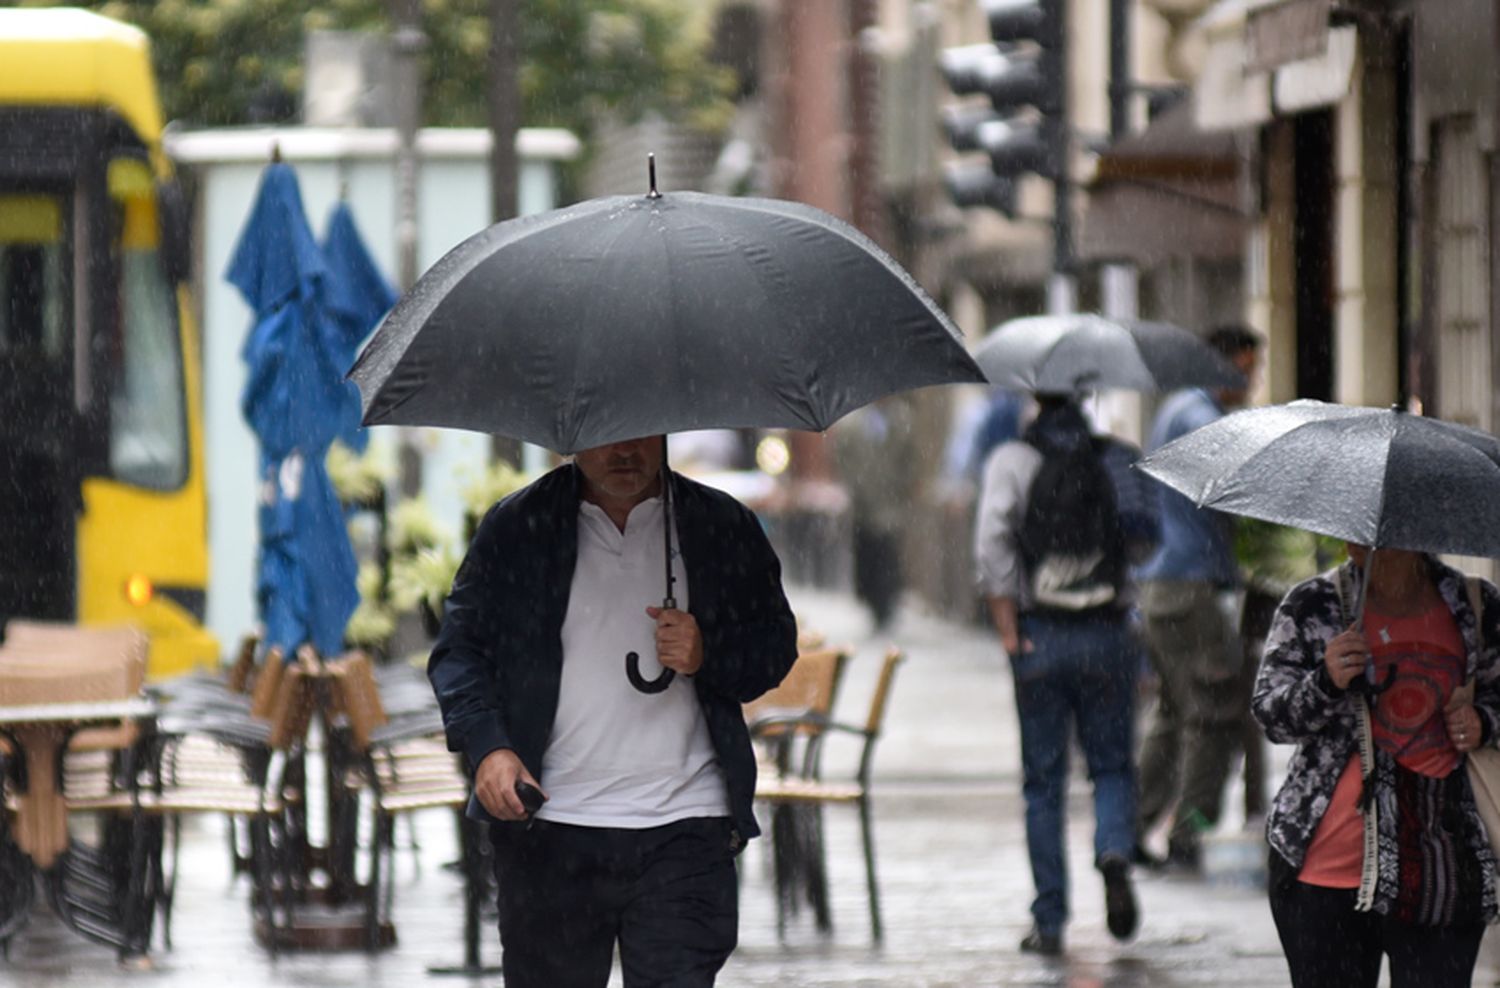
x,y
1383,478
1085,352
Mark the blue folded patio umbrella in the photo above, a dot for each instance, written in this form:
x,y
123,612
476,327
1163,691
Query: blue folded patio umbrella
x,y
358,296
293,399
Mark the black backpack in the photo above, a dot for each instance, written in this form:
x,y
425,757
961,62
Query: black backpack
x,y
1070,537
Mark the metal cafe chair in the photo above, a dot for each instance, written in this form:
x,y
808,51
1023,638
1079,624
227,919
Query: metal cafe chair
x,y
783,723
809,688
809,789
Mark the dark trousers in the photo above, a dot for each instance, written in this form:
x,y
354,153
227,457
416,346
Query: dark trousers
x,y
877,570
1194,730
1329,945
668,895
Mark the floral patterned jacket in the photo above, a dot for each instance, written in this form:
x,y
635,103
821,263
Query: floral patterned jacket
x,y
1297,705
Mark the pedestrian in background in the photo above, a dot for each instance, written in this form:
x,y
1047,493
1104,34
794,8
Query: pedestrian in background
x,y
1061,517
1188,600
1390,860
874,450
648,794
1000,422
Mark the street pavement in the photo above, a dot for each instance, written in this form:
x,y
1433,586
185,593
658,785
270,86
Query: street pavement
x,y
955,885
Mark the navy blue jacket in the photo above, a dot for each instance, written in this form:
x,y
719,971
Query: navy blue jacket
x,y
497,663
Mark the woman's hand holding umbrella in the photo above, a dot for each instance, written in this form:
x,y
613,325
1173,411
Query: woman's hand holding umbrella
x,y
1345,657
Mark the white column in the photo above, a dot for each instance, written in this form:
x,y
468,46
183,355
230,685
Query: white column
x,y
1119,412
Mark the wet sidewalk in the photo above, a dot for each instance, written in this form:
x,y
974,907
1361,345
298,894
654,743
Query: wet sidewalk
x,y
952,861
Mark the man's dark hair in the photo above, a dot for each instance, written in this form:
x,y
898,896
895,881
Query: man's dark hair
x,y
1233,339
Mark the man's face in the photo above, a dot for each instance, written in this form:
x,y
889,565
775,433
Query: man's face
x,y
1247,362
624,471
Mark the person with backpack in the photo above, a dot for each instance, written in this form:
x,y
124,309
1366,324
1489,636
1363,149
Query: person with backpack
x,y
1061,518
1189,599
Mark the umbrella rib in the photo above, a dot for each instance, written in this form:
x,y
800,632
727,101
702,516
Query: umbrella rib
x,y
862,243
764,268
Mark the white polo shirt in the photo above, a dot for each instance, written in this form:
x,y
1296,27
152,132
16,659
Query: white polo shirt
x,y
618,757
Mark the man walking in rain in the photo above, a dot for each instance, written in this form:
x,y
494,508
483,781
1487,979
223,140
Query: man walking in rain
x,y
1061,516
648,795
1192,628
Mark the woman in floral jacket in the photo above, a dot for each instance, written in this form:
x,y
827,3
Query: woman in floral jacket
x,y
1381,851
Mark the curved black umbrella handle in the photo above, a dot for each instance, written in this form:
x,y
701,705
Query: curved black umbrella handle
x,y
633,673
669,603
633,665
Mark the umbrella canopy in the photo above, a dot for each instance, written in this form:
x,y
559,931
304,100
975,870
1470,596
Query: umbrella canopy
x,y
642,315
1085,352
293,395
358,296
1376,477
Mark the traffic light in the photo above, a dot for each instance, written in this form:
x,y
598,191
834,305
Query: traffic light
x,y
1023,127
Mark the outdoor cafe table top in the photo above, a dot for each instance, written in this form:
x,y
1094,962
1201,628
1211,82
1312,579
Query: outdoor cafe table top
x,y
77,713
40,730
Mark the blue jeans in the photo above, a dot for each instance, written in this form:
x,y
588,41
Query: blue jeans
x,y
1080,672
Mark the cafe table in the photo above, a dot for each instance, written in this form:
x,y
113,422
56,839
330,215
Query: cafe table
x,y
38,734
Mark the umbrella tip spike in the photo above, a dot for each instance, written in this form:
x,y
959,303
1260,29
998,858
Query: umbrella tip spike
x,y
275,152
651,176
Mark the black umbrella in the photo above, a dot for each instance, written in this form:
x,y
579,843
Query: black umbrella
x,y
1084,352
637,315
644,315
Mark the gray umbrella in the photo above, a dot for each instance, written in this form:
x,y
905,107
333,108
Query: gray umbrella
x,y
643,315
1086,352
1377,477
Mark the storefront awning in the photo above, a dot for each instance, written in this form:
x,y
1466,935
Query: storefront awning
x,y
1183,179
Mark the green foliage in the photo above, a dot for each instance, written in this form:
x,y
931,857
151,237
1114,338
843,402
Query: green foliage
x,y
413,527
356,478
583,59
1275,558
494,482
426,575
229,62
372,623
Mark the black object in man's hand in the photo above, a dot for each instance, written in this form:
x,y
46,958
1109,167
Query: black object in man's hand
x,y
531,797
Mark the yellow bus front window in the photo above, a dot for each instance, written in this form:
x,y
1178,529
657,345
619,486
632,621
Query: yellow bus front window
x,y
148,423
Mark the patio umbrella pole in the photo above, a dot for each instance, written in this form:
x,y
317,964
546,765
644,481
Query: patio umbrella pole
x,y
633,659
